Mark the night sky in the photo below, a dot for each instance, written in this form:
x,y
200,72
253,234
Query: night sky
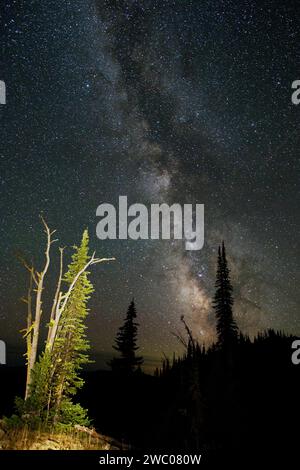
x,y
162,101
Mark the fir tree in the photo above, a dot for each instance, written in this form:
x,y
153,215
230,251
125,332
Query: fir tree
x,y
227,330
125,341
53,377
71,345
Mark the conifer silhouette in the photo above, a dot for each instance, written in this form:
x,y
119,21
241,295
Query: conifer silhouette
x,y
126,345
227,330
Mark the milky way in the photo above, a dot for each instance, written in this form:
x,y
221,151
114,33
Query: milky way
x,y
162,101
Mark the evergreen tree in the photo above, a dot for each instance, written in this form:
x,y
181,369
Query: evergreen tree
x,y
71,345
126,344
53,377
227,330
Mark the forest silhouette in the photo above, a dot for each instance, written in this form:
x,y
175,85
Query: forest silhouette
x,y
236,394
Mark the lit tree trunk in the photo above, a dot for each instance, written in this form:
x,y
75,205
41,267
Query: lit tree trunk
x,y
28,330
39,280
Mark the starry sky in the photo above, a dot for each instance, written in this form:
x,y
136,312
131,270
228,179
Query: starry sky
x,y
162,101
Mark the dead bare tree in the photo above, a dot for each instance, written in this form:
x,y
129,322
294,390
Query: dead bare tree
x,y
189,332
36,285
180,337
33,322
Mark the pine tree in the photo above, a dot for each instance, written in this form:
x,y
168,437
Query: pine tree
x,y
53,377
71,345
126,344
227,330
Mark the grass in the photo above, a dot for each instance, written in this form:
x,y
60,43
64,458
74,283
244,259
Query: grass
x,y
26,439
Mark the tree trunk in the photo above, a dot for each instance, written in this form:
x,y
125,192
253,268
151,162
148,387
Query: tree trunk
x,y
38,310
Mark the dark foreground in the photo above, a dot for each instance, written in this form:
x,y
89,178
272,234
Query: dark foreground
x,y
217,404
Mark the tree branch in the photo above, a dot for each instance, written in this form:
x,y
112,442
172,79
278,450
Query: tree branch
x,y
65,297
56,297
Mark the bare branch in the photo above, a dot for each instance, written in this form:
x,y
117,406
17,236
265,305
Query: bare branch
x,y
180,338
65,297
29,268
187,329
101,260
